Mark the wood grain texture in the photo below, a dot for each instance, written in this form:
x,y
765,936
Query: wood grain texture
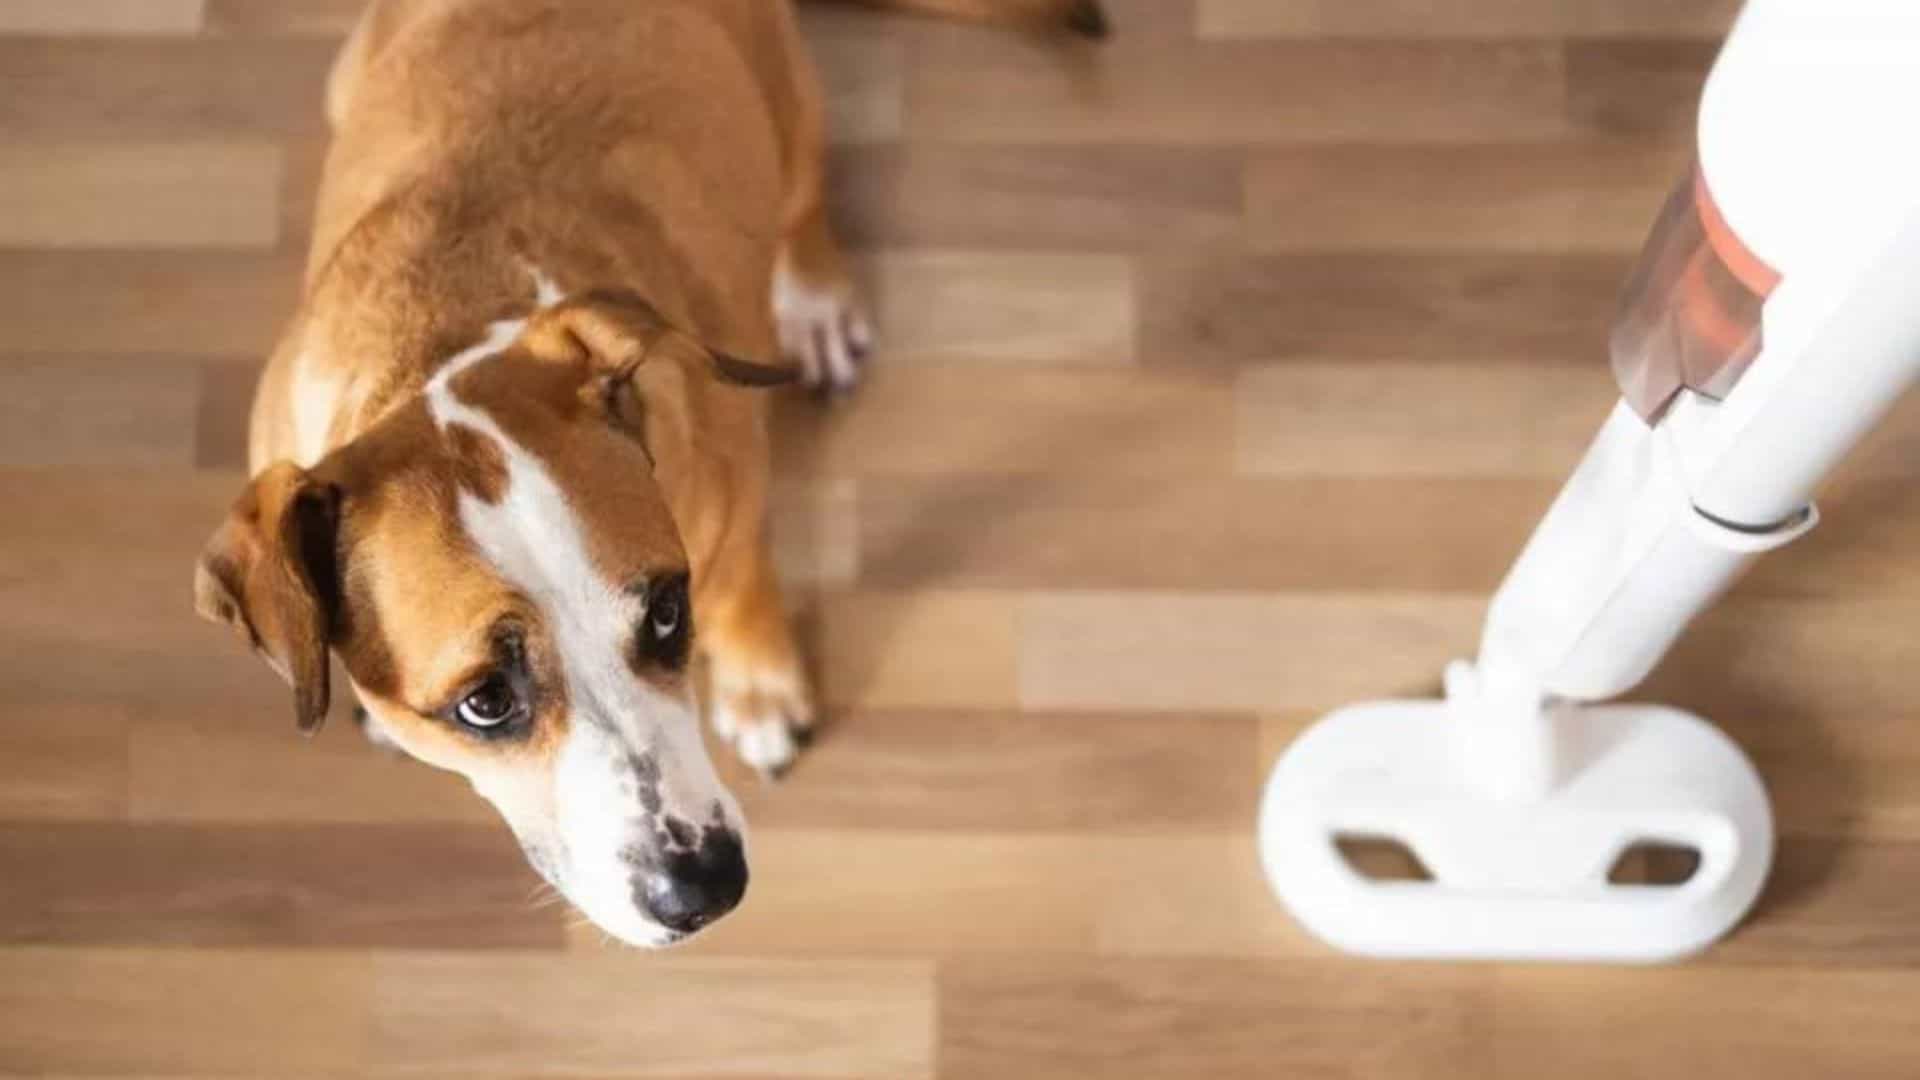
x,y
1018,772
1700,1021
160,195
324,18
107,410
182,1012
941,306
250,885
1009,418
1223,370
921,648
101,16
65,762
1100,197
1167,650
1127,1018
1145,530
1523,197
635,1015
1535,309
206,303
1638,88
1439,420
1465,18
970,88
149,88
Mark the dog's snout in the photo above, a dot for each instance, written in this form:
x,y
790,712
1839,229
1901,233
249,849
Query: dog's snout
x,y
690,889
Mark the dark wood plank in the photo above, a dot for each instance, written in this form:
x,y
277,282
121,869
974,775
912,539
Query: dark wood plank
x,y
1482,308
144,302
283,885
1637,87
96,410
1578,196
64,761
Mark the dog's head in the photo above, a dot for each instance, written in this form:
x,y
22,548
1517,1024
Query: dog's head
x,y
496,566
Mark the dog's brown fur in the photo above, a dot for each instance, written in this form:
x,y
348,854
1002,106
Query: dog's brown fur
x,y
659,161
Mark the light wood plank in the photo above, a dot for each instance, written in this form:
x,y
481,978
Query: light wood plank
x,y
927,770
1166,650
1752,657
1317,531
152,88
1099,198
639,1015
969,88
1228,1019
1545,197
101,16
182,1011
323,18
1695,1021
1205,896
959,419
111,883
1833,902
984,892
947,306
139,195
1426,19
1419,419
916,649
88,410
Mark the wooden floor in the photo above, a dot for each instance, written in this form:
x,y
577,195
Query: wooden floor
x,y
1225,369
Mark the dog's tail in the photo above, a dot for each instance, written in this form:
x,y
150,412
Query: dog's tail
x,y
1084,17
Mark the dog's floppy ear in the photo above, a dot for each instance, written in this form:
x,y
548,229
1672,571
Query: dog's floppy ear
x,y
271,572
619,331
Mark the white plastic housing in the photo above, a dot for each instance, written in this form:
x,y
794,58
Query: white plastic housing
x,y
1511,881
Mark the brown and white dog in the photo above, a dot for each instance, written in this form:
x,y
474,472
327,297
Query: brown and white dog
x,y
506,455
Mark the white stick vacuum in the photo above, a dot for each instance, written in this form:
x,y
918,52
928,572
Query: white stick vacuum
x,y
1773,318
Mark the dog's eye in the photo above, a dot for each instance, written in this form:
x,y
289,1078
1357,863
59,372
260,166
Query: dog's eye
x,y
663,617
490,705
664,631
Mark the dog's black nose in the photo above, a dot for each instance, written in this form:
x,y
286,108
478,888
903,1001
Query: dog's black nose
x,y
693,888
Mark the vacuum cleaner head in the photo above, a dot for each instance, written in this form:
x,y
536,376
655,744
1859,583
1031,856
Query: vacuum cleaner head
x,y
1515,877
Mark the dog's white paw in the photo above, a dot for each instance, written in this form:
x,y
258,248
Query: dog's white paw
x,y
766,718
823,329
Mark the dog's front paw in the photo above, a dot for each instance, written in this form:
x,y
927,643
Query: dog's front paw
x,y
766,715
823,329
